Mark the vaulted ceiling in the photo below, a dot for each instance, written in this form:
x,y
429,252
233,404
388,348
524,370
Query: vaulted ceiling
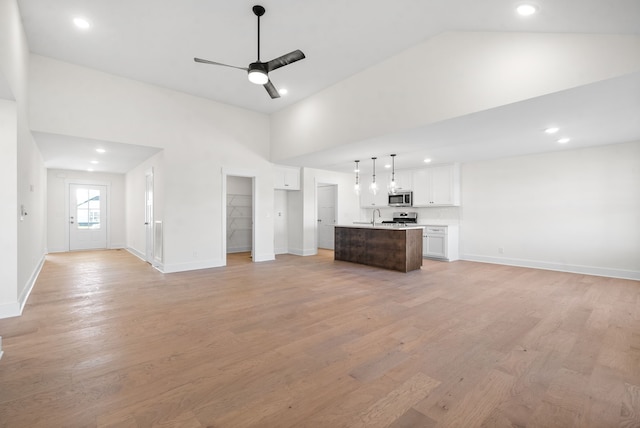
x,y
155,41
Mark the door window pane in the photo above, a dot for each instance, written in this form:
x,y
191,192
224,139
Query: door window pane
x,y
88,208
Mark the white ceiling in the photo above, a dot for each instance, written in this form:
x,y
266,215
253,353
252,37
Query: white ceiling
x,y
155,41
65,152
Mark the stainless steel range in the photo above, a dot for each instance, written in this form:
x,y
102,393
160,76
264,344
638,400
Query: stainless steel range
x,y
403,218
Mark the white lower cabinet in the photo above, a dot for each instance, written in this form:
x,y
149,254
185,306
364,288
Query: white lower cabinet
x,y
440,242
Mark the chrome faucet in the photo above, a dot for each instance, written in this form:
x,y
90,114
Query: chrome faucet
x,y
373,216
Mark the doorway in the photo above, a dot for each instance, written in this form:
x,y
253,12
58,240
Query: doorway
x,y
148,217
326,215
239,215
87,217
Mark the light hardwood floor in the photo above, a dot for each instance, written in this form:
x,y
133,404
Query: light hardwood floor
x,y
107,341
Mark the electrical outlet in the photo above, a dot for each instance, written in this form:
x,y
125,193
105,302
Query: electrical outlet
x,y
500,250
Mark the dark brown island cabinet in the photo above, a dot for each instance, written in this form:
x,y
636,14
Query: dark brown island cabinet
x,y
395,248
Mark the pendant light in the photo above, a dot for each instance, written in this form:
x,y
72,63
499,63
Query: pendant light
x,y
356,188
373,188
393,186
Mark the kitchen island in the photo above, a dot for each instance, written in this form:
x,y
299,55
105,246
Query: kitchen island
x,y
388,247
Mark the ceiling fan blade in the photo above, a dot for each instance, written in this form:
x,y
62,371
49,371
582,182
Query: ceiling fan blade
x,y
283,60
206,61
273,92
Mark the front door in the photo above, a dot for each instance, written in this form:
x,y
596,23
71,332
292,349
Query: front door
x,y
87,217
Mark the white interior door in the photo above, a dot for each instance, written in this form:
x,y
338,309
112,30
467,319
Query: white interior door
x,y
148,217
87,217
326,215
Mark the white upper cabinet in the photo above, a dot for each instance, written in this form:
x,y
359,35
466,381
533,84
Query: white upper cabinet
x,y
437,186
404,180
287,178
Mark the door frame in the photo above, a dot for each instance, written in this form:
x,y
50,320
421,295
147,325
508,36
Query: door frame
x,y
317,183
149,218
82,182
335,208
237,172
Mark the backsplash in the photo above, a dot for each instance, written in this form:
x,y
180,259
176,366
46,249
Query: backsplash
x,y
439,215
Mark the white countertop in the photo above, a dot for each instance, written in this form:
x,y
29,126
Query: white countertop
x,y
388,226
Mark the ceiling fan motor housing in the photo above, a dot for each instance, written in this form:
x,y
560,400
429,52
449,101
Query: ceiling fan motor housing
x,y
258,73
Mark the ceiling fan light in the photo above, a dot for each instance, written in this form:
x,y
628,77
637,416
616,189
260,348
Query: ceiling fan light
x,y
258,77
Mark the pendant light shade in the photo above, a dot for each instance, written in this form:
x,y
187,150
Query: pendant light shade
x,y
393,186
356,187
373,188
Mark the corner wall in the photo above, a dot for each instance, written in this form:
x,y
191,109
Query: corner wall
x,y
23,227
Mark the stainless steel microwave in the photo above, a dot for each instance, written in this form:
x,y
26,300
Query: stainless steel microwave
x,y
401,199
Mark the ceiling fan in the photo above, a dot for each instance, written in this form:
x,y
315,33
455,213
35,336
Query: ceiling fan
x,y
259,71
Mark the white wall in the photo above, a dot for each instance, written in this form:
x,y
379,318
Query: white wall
x,y
58,211
281,221
23,175
8,208
200,138
450,75
303,210
574,210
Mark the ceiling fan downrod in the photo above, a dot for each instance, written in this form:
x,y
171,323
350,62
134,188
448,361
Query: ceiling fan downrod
x,y
258,11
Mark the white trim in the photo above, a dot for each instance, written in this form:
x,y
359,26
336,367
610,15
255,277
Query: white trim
x,y
560,267
301,252
264,257
26,292
150,225
136,253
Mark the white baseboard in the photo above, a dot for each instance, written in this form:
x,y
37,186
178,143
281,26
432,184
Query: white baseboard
x,y
136,253
14,309
303,252
536,264
238,249
22,299
183,267
267,257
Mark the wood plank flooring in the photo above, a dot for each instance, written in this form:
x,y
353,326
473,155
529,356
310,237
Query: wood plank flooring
x,y
107,341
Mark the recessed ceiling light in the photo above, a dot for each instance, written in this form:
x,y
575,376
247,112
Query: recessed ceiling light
x,y
388,166
427,160
564,140
81,23
526,9
95,162
90,169
283,91
552,130
100,150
